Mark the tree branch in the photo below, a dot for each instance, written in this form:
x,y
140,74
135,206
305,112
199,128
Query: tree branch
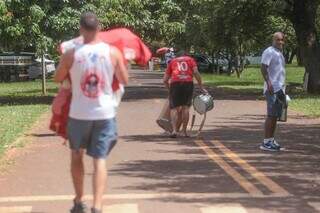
x,y
289,2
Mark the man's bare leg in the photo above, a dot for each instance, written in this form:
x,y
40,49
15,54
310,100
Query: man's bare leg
x,y
179,121
98,182
185,119
174,118
270,127
77,172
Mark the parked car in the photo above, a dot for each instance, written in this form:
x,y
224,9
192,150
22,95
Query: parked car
x,y
253,59
35,70
221,65
15,66
206,64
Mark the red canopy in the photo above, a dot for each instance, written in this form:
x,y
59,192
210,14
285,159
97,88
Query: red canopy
x,y
129,43
162,50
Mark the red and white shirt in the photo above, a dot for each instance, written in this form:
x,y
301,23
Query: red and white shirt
x,y
181,69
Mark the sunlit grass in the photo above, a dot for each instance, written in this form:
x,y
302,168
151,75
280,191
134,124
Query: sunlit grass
x,y
251,83
307,104
21,104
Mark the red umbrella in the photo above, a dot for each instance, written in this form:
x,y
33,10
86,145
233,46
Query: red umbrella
x,y
162,50
131,46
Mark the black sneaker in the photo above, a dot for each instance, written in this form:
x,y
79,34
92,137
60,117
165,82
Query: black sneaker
x,y
78,207
93,210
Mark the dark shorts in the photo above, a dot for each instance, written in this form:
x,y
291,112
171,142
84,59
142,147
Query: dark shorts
x,y
180,94
97,137
274,106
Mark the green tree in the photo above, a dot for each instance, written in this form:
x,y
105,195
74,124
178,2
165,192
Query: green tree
x,y
303,16
20,24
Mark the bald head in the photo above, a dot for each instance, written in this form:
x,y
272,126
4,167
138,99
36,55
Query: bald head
x,y
278,40
277,35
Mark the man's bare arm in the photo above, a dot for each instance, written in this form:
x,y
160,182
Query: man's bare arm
x,y
166,78
264,72
64,66
121,70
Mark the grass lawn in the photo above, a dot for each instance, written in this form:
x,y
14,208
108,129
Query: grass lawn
x,y
251,83
21,103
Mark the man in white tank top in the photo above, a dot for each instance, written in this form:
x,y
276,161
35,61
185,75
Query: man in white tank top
x,y
91,67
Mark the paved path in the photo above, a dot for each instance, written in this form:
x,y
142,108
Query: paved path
x,y
223,171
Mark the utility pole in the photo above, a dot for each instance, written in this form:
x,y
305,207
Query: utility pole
x,y
44,86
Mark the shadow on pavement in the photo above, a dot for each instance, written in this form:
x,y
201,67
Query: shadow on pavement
x,y
134,93
296,169
147,75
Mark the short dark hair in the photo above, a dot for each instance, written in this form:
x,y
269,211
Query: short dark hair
x,y
89,21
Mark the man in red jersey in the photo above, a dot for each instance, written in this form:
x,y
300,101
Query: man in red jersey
x,y
180,73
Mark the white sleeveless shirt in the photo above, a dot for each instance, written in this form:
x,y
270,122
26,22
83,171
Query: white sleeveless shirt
x,y
91,79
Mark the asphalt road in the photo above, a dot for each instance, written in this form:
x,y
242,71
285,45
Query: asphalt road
x,y
223,170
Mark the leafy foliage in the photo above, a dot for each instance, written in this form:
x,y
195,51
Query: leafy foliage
x,y
41,25
217,27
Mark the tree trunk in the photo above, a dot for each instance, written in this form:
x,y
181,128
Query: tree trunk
x,y
299,57
293,53
286,55
303,19
213,65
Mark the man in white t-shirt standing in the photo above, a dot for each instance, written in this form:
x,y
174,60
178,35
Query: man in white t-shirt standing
x,y
91,125
273,72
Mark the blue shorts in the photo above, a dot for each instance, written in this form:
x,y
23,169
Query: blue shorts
x,y
98,137
274,106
